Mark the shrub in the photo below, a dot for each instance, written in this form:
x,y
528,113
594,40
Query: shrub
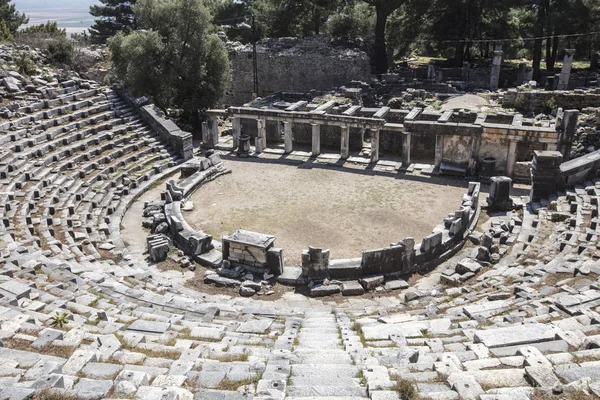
x,y
59,320
47,28
25,65
60,51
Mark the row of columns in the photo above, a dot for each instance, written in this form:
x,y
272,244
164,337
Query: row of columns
x,y
261,139
261,142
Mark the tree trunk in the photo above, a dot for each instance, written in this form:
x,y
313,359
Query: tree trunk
x,y
537,47
458,54
537,59
381,63
553,54
548,53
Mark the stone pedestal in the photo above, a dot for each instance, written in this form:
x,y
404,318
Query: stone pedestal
x,y
315,264
565,73
499,198
316,139
496,67
546,177
243,146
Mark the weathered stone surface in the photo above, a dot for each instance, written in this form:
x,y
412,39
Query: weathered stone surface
x,y
352,288
148,326
515,335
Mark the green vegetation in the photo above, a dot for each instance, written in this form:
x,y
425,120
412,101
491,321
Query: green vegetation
x,y
177,59
112,17
9,16
47,28
59,320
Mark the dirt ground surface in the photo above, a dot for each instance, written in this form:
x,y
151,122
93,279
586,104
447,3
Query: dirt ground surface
x,y
345,211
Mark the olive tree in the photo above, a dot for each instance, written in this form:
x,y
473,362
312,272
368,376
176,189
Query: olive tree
x,y
176,58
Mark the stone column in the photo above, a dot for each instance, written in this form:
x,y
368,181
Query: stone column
x,y
406,149
375,145
345,150
210,133
287,137
439,150
316,139
511,158
496,67
565,72
261,139
474,157
236,127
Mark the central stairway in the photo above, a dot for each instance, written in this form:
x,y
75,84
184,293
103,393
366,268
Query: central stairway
x,y
321,367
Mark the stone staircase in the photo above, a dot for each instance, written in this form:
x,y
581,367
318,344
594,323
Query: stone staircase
x,y
321,366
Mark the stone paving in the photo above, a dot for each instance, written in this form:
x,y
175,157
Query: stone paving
x,y
80,317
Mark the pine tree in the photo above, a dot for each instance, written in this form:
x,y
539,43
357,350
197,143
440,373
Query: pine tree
x,y
11,17
113,16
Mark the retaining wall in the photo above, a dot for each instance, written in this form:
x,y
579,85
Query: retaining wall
x,y
179,140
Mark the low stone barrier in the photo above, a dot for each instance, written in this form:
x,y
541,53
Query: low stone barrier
x,y
192,242
402,258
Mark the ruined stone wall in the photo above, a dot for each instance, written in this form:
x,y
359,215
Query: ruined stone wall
x,y
294,65
539,101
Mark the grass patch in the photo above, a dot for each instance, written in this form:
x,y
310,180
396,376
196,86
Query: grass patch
x,y
361,377
226,384
48,394
49,349
154,353
407,389
546,395
234,358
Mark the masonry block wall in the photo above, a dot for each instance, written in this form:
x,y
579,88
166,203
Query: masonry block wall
x,y
294,65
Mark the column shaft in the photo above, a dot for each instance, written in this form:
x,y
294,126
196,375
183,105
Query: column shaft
x,y
375,145
345,150
316,139
511,158
287,137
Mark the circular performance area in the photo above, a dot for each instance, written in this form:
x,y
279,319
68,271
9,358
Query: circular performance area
x,y
345,210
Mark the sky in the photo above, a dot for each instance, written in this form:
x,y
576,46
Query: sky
x,y
72,14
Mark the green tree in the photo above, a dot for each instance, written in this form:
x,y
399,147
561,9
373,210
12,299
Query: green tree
x,y
177,59
112,16
280,18
352,23
11,17
383,9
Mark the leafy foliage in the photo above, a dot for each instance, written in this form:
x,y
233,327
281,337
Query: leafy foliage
x,y
25,64
47,28
59,320
177,59
113,16
11,17
60,51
